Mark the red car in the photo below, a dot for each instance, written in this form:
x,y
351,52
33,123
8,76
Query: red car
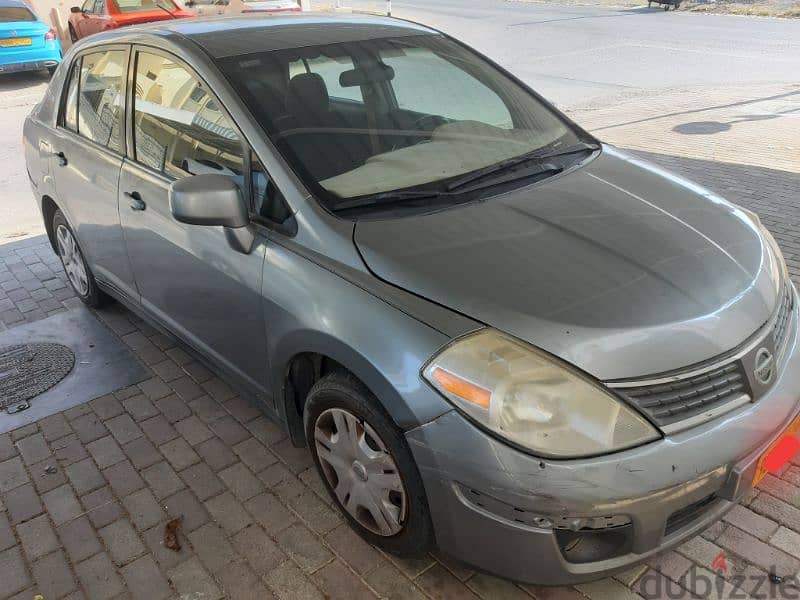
x,y
98,15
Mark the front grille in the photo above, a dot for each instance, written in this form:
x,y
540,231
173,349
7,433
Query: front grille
x,y
668,403
784,314
687,515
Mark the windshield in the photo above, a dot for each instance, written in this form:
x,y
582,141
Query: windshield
x,y
409,113
15,14
128,6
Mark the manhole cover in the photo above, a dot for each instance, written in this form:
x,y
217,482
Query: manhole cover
x,y
28,370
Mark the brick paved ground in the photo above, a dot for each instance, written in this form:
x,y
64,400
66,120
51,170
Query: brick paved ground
x,y
257,522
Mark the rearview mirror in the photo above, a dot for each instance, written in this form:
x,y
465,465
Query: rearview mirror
x,y
379,73
75,9
213,200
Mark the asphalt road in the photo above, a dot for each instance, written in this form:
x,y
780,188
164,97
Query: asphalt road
x,y
573,54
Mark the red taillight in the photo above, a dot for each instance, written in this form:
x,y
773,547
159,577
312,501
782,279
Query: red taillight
x,y
50,35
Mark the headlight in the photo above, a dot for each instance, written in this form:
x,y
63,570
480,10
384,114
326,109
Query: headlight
x,y
527,397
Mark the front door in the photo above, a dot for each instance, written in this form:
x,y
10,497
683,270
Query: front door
x,y
86,158
189,277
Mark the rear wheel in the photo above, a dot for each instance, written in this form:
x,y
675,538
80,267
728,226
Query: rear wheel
x,y
366,466
78,273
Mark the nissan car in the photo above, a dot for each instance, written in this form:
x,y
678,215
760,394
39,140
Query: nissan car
x,y
499,338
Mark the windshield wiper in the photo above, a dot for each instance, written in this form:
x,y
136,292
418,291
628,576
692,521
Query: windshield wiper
x,y
166,10
510,163
387,198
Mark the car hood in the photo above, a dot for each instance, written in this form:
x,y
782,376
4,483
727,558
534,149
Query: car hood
x,y
618,267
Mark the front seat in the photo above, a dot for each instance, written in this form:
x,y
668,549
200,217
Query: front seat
x,y
325,153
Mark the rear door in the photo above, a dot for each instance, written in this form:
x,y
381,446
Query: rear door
x,y
189,277
86,156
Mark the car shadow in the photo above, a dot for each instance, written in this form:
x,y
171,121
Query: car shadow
x,y
12,82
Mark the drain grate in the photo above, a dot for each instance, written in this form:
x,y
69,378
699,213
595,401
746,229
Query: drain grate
x,y
27,370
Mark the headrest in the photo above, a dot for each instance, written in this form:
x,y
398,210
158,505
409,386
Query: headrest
x,y
307,96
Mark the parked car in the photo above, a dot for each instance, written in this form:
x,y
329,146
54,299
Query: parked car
x,y
94,16
498,337
229,7
26,43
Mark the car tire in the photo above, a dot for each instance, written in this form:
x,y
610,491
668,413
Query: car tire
x,y
51,71
79,275
389,459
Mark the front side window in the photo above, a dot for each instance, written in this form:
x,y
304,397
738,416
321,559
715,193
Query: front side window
x,y
87,6
15,14
101,103
179,129
430,113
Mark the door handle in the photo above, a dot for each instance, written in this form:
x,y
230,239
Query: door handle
x,y
136,202
62,158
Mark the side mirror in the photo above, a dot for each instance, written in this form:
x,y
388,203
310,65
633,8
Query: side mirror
x,y
75,9
213,200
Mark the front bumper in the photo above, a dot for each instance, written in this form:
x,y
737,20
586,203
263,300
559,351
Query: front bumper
x,y
485,497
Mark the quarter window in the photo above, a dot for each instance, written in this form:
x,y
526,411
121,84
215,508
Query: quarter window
x,y
179,129
101,101
71,101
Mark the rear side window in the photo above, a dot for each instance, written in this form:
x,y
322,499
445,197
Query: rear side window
x,y
179,128
15,14
101,102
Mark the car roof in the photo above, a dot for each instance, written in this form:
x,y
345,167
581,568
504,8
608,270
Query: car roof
x,y
248,34
13,3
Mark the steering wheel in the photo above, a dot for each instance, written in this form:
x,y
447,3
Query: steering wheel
x,y
428,122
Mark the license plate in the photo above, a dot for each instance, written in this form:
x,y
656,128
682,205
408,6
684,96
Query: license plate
x,y
7,43
783,445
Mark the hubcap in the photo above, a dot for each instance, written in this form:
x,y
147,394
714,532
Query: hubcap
x,y
72,260
361,472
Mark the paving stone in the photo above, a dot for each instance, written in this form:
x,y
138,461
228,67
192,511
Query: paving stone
x,y
261,552
145,581
193,581
202,481
123,478
106,407
123,428
159,430
184,504
101,507
62,504
13,573
53,576
173,408
353,549
757,552
297,459
215,454
128,392
238,581
179,454
268,511
33,448
186,389
122,542
6,533
265,431
23,432
339,583
7,448
228,513
212,546
287,581
241,481
787,540
303,547
85,476
168,559
193,430
229,430
154,389
99,578
253,454
316,513
47,475
69,449
167,370
218,389
207,409
671,564
79,539
37,537
282,482
12,474
142,453
241,409
77,411
22,503
143,509
606,589
140,407
162,479
106,452
89,427
180,356
755,524
197,371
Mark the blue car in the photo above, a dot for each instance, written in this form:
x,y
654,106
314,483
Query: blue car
x,y
26,43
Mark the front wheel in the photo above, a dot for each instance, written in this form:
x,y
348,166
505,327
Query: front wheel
x,y
366,466
78,273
